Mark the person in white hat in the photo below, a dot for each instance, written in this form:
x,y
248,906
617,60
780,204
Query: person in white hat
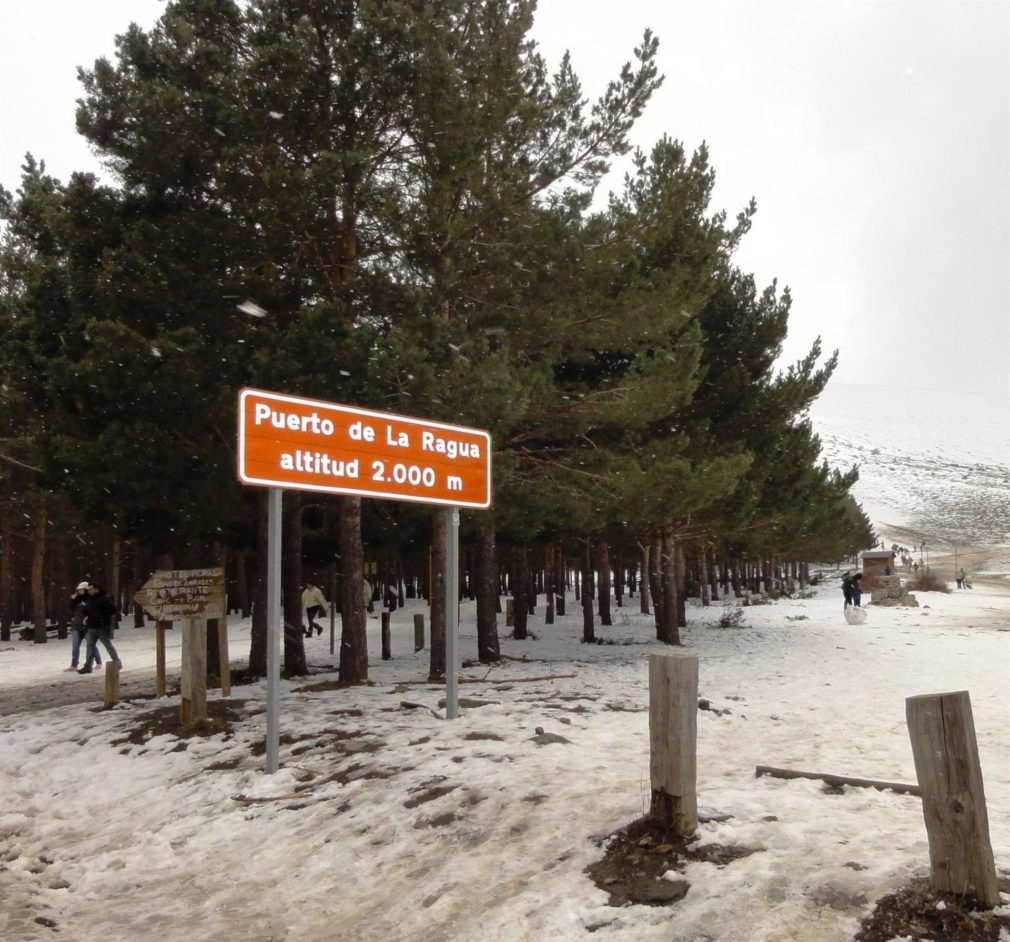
x,y
77,599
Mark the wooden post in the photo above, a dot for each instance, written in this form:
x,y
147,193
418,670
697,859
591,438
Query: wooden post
x,y
111,683
953,800
194,671
510,608
159,654
222,654
673,740
386,653
418,631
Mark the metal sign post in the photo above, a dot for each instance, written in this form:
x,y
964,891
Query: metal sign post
x,y
292,443
274,620
451,612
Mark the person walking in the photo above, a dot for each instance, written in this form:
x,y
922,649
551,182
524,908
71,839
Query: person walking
x,y
314,604
77,600
99,612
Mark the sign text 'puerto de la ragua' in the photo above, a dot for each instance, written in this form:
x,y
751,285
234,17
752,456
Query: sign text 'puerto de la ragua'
x,y
305,444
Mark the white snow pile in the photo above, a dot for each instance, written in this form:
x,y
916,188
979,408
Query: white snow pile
x,y
388,822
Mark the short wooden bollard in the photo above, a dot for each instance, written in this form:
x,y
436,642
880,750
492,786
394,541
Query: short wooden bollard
x,y
386,653
945,750
673,740
194,671
510,613
111,683
418,632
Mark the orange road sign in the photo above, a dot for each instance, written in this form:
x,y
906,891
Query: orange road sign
x,y
308,445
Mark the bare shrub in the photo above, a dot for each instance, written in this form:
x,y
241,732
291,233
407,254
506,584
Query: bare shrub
x,y
929,582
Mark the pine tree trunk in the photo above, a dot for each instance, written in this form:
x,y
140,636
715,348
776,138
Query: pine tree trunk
x,y
602,554
115,563
667,612
656,579
242,584
619,579
531,586
488,648
258,634
38,576
588,629
560,581
644,594
353,620
6,574
214,625
295,664
549,583
520,588
681,570
704,577
59,583
713,573
436,597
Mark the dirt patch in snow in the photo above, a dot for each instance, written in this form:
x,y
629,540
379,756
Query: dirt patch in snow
x,y
918,912
221,714
642,861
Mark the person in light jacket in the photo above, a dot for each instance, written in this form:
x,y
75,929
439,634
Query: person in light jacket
x,y
314,605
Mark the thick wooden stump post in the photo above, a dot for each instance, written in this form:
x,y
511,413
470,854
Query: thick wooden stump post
x,y
418,632
111,683
159,654
953,800
194,671
673,740
510,613
386,652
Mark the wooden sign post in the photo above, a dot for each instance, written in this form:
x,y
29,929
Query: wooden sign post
x,y
189,596
945,750
673,740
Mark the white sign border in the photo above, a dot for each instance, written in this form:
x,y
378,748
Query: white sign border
x,y
245,478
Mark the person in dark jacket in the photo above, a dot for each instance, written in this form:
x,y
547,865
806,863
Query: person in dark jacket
x,y
99,612
857,589
847,590
77,631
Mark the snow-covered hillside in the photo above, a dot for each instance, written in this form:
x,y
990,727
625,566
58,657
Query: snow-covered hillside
x,y
934,466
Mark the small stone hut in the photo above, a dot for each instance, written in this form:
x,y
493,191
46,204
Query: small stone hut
x,y
876,561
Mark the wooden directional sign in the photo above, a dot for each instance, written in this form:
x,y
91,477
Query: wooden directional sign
x,y
171,595
304,444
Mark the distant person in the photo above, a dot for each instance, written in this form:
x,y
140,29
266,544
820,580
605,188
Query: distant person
x,y
847,590
857,589
99,617
77,630
314,604
960,578
915,568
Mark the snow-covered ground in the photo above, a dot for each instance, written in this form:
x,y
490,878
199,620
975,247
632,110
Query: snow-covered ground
x,y
391,823
934,465
387,822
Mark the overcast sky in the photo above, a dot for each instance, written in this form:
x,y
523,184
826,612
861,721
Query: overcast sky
x,y
875,136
